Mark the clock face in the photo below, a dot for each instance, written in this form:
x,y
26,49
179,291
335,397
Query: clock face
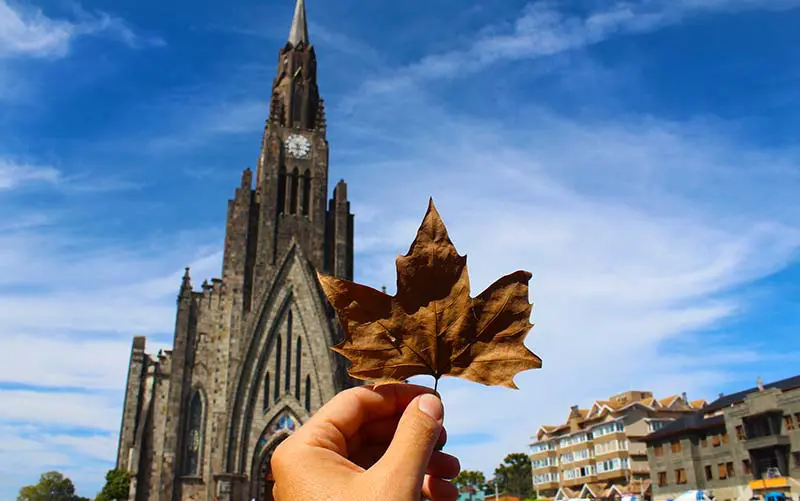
x,y
297,146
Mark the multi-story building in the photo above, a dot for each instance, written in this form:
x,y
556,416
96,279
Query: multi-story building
x,y
737,447
593,454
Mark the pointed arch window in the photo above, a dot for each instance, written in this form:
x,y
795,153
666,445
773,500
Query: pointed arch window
x,y
277,388
298,354
306,191
288,375
281,190
293,193
266,392
297,104
308,393
194,434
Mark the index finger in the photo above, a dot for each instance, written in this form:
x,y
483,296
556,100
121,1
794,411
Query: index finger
x,y
341,418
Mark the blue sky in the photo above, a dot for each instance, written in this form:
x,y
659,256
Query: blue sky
x,y
640,158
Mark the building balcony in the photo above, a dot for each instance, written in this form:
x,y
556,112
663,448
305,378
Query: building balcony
x,y
617,435
609,475
767,441
578,482
544,469
547,486
542,454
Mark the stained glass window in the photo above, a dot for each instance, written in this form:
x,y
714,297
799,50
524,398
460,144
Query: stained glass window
x,y
194,435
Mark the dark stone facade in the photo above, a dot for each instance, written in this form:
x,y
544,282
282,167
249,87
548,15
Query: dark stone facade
x,y
250,359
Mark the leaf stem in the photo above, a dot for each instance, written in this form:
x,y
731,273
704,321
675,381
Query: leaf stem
x,y
436,383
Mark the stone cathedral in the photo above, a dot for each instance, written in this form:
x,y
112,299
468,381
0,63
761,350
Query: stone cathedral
x,y
250,359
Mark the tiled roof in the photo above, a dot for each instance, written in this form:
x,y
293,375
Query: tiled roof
x,y
697,404
602,407
666,402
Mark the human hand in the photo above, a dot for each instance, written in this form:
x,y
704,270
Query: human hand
x,y
369,444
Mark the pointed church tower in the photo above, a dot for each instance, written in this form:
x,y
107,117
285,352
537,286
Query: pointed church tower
x,y
251,358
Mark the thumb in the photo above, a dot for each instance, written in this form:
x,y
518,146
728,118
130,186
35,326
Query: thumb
x,y
407,457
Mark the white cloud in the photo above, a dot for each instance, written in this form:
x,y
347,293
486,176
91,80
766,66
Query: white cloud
x,y
66,409
27,31
544,30
629,256
14,174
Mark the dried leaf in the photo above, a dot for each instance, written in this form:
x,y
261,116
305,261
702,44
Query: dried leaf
x,y
432,325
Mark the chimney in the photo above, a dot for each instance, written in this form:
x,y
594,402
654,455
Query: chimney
x,y
720,395
685,398
760,383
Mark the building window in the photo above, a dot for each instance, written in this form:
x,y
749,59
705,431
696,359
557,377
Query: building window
x,y
789,422
680,476
723,473
729,469
656,425
662,479
658,450
277,388
194,432
797,418
716,441
724,437
606,429
796,459
266,392
288,376
298,355
675,446
281,190
709,472
306,192
308,393
703,441
293,193
746,467
740,434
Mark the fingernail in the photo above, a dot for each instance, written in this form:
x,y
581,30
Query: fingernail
x,y
431,406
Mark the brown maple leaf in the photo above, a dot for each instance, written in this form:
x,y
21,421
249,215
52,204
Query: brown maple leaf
x,y
432,325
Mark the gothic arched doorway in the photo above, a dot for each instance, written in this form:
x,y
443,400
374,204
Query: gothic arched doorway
x,y
276,432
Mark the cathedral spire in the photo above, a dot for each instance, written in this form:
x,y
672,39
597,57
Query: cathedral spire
x,y
299,31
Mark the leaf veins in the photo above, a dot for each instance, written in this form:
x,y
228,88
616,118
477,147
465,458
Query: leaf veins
x,y
432,325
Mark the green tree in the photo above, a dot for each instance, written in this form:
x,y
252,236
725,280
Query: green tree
x,y
470,481
52,486
118,484
515,476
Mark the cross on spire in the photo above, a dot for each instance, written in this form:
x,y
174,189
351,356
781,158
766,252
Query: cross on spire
x,y
299,31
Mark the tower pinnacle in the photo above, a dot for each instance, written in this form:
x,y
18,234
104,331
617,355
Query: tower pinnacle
x,y
299,31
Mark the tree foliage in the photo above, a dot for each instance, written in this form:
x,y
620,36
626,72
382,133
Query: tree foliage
x,y
514,476
52,486
118,483
470,481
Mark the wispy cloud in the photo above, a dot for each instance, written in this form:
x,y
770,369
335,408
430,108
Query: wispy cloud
x,y
27,31
543,30
13,175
